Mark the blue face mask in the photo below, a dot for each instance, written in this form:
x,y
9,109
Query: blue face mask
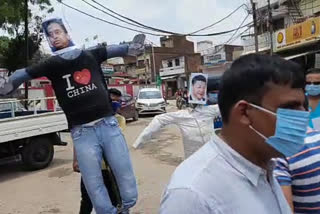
x,y
291,129
313,90
213,98
115,106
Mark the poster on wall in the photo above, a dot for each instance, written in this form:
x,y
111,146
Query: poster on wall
x,y
58,38
198,88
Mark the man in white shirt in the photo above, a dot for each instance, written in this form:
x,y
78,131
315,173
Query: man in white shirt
x,y
231,174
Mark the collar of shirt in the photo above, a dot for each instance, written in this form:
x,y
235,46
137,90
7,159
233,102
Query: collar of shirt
x,y
249,170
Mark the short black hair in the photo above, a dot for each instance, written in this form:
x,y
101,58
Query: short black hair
x,y
247,77
57,21
313,71
198,78
115,92
213,83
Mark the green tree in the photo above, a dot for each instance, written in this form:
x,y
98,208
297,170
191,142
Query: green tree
x,y
12,15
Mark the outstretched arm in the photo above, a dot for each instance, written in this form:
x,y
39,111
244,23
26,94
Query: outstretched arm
x,y
134,48
8,85
117,50
156,124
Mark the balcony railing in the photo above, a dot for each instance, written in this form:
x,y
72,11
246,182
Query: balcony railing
x,y
263,41
172,70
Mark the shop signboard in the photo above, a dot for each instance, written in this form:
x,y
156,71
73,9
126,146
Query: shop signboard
x,y
297,35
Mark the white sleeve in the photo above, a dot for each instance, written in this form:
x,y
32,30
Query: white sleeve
x,y
214,110
184,201
156,124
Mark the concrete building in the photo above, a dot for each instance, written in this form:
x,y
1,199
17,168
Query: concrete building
x,y
171,63
284,14
300,41
217,59
176,70
203,47
156,62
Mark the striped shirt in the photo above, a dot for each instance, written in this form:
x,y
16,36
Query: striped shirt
x,y
302,173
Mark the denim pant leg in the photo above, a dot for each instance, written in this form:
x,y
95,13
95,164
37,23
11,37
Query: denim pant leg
x,y
117,154
85,204
89,155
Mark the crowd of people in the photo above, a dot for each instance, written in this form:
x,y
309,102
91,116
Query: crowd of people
x,y
264,159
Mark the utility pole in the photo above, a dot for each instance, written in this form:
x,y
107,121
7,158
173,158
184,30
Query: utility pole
x,y
145,66
154,63
254,16
26,33
270,27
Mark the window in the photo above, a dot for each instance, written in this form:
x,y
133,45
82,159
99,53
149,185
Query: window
x,y
170,63
150,95
278,24
177,62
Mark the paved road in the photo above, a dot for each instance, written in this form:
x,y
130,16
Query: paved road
x,y
56,188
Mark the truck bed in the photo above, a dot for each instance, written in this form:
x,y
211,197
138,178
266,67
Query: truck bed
x,y
20,127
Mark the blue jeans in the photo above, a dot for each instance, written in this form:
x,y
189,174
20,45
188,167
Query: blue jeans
x,y
93,141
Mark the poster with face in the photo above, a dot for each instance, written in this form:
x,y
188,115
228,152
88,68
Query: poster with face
x,y
57,36
198,88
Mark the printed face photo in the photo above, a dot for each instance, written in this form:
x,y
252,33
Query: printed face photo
x,y
198,88
57,34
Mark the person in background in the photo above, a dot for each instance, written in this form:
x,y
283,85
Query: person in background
x,y
299,178
115,96
298,175
313,92
261,101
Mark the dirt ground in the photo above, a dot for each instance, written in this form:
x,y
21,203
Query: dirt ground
x,y
56,189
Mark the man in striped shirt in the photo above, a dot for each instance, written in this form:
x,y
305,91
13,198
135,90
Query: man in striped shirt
x,y
299,176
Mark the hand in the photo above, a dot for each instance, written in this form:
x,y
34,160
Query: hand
x,y
75,166
5,85
137,144
136,47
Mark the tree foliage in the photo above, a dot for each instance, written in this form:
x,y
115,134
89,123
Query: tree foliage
x,y
12,13
12,16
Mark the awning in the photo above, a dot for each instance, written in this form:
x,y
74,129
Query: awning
x,y
168,77
298,55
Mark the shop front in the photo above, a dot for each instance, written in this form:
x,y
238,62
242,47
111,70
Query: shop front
x,y
300,43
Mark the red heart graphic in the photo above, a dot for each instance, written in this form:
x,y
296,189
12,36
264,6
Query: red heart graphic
x,y
82,77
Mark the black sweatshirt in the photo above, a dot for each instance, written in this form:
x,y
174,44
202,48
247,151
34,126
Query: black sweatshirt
x,y
78,84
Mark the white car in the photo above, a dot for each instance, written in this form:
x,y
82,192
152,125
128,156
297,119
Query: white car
x,y
150,101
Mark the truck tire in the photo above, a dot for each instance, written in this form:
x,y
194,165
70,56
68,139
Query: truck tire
x,y
38,153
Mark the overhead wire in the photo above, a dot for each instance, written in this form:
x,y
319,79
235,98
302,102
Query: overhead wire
x,y
144,32
103,20
127,22
139,24
231,38
217,22
238,28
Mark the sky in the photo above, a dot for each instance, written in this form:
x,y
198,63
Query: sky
x,y
182,16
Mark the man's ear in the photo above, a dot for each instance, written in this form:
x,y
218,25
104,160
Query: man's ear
x,y
240,111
